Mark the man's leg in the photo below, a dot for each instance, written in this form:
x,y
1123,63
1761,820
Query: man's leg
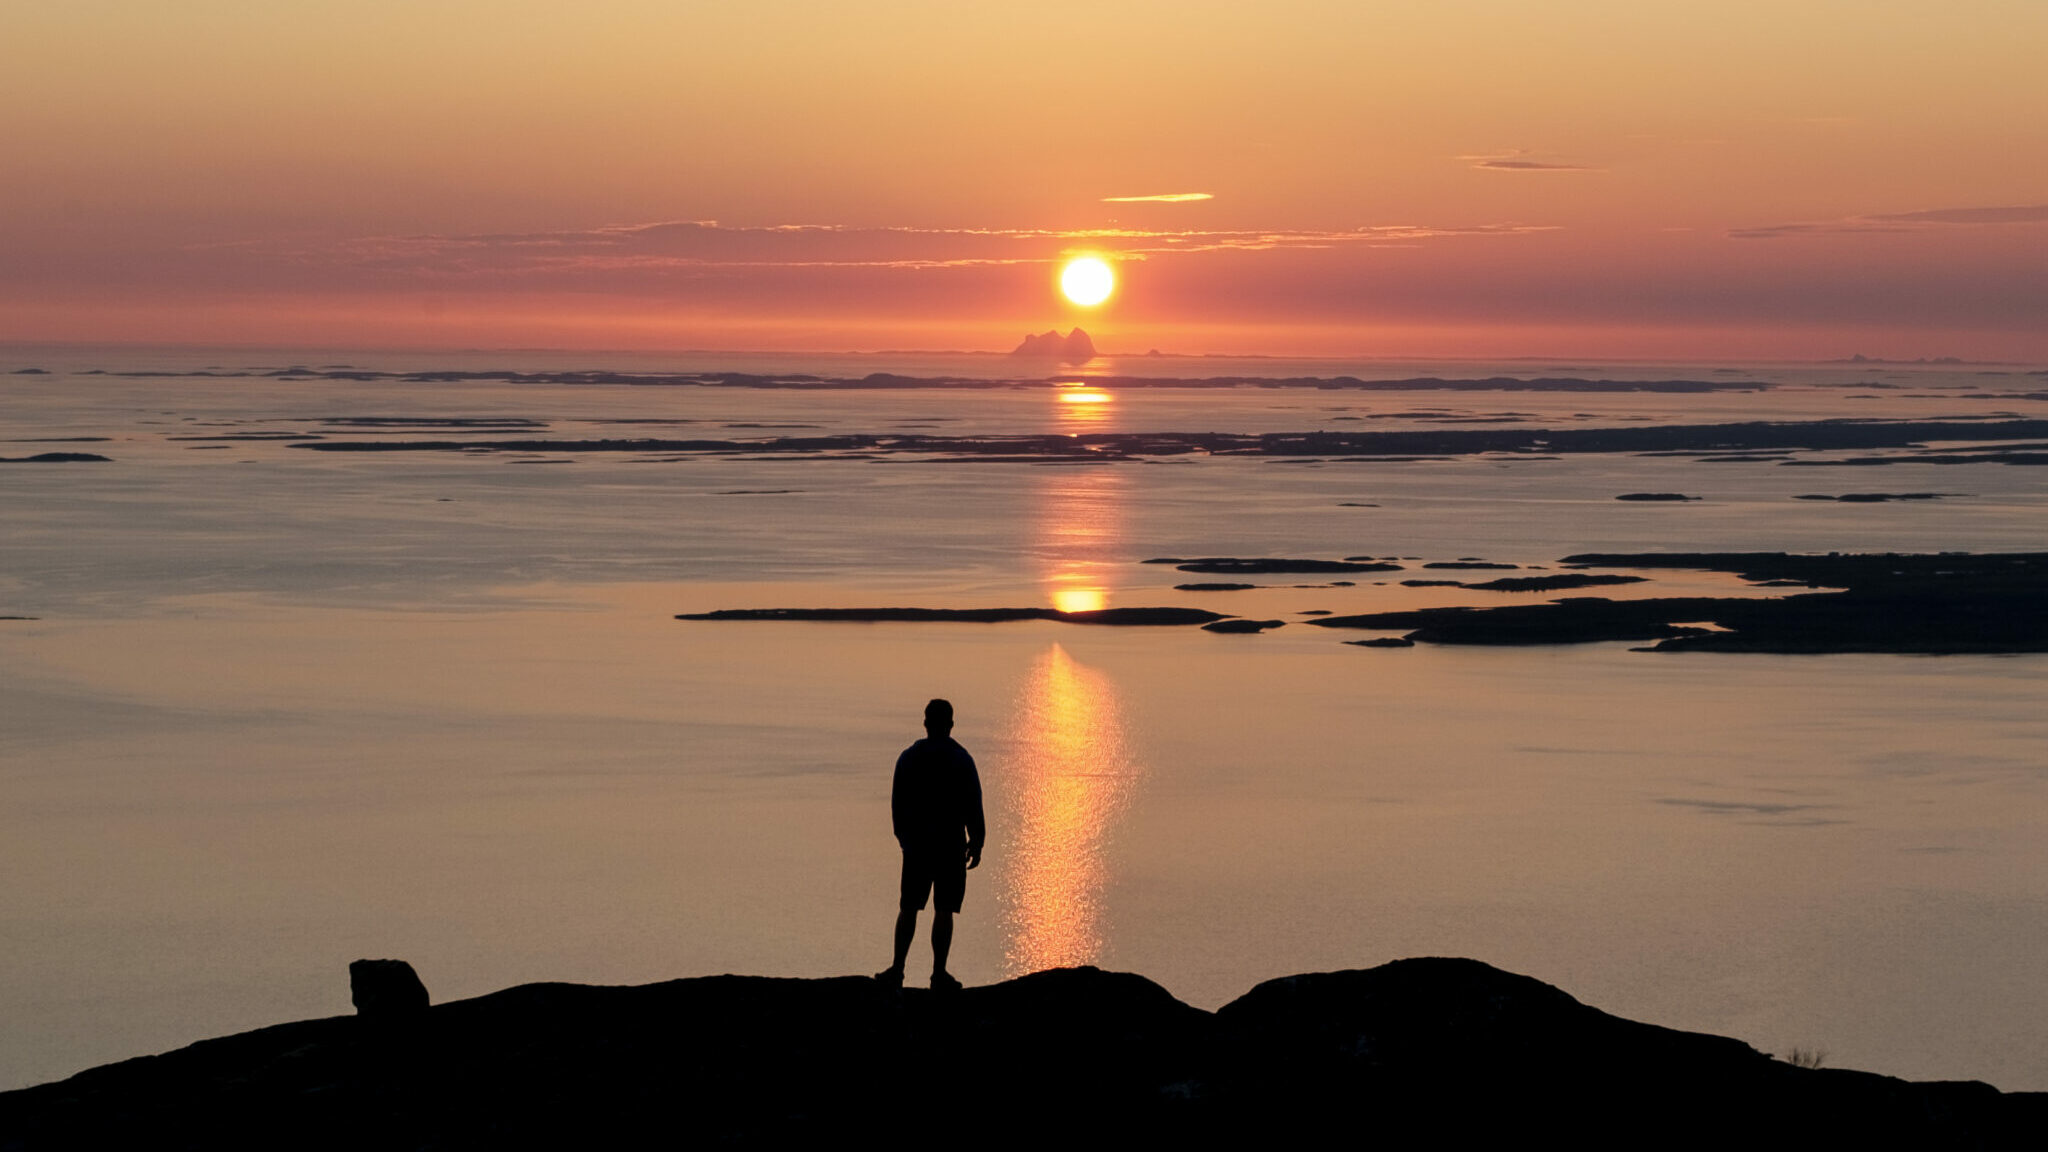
x,y
942,939
916,883
906,927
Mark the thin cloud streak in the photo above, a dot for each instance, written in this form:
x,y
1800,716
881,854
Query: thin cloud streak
x,y
1980,289
2020,214
1899,222
1520,162
685,245
1162,198
1529,166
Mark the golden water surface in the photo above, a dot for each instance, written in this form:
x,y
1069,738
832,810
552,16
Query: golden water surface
x,y
1070,771
1070,775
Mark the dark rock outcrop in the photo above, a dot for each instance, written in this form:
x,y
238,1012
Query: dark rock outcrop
x,y
1575,621
1243,626
1877,497
1551,583
1675,497
1931,456
386,990
1455,1051
1073,348
1926,604
1939,604
1424,1052
58,458
1259,566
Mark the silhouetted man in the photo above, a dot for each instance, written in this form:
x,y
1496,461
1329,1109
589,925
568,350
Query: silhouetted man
x,y
936,806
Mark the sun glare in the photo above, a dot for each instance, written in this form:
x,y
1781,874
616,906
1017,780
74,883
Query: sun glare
x,y
1087,281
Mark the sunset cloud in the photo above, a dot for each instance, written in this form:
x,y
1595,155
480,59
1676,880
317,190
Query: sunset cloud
x,y
1836,227
683,247
1529,166
188,165
1520,162
2021,214
1900,222
1162,198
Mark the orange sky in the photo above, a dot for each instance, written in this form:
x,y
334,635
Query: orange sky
x,y
1434,177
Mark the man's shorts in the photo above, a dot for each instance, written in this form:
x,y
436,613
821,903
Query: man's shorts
x,y
925,872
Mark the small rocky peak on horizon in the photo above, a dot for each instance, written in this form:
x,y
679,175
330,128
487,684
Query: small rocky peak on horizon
x,y
1073,348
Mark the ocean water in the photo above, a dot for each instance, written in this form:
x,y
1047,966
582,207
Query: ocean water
x,y
278,708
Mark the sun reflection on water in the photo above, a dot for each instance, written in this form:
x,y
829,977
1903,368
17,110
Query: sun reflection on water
x,y
1081,407
1079,599
1068,776
1069,772
1078,535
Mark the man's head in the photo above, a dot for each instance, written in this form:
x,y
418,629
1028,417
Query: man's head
x,y
938,717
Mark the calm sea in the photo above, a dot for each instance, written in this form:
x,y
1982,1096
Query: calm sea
x,y
278,709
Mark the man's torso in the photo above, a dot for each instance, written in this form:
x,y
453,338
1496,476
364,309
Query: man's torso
x,y
935,786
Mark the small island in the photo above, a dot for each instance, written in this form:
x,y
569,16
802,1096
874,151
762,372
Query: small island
x,y
1940,604
1124,617
1073,348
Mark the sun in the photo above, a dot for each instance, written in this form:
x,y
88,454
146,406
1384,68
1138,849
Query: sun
x,y
1087,281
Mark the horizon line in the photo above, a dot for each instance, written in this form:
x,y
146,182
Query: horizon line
x,y
1149,354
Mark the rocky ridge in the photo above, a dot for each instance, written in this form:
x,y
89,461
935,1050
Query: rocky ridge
x,y
1422,1052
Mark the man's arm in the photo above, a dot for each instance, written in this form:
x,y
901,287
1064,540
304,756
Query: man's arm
x,y
977,830
896,798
